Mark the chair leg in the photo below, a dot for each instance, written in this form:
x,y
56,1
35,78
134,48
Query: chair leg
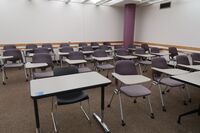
x,y
114,92
53,115
183,95
84,110
3,76
26,75
150,107
188,94
161,96
121,110
140,68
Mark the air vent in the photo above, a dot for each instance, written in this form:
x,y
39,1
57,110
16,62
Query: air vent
x,y
165,5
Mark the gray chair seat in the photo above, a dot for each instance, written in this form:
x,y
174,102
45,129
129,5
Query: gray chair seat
x,y
84,69
135,90
42,74
146,62
170,82
14,65
105,66
70,98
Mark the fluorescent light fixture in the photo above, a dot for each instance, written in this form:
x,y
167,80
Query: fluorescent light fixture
x,y
101,2
155,1
84,1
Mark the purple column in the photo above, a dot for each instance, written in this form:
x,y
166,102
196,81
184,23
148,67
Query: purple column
x,y
129,23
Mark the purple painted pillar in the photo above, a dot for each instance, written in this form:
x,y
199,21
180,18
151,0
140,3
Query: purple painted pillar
x,y
129,23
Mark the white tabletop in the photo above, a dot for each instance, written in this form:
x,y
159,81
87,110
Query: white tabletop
x,y
95,46
197,61
131,79
26,50
145,55
109,51
194,67
74,62
53,85
87,52
31,54
170,71
133,49
30,65
126,56
5,57
63,53
191,78
160,54
102,58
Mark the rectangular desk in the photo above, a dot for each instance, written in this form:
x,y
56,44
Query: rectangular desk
x,y
170,71
75,62
192,79
131,79
145,55
126,57
102,58
193,67
47,87
160,54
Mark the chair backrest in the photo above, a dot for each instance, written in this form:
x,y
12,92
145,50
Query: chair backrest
x,y
65,70
8,47
195,57
125,67
131,46
182,59
94,44
82,44
41,50
155,50
122,51
118,46
107,43
87,48
16,53
64,45
145,47
31,46
47,45
43,58
104,47
66,49
159,63
139,51
100,53
173,52
76,55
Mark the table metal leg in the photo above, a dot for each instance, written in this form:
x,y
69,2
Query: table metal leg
x,y
188,113
101,120
36,116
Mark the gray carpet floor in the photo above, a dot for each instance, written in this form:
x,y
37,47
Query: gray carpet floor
x,y
17,112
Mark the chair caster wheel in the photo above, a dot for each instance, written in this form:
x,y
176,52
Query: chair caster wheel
x,y
108,105
184,103
164,109
26,80
152,116
4,83
163,93
123,123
